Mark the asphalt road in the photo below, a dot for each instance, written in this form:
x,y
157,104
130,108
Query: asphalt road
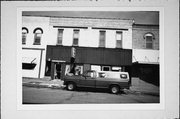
x,y
33,95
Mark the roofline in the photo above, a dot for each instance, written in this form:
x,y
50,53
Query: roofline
x,y
156,25
74,17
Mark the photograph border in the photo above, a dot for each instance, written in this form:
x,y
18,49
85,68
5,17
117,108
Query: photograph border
x,y
138,106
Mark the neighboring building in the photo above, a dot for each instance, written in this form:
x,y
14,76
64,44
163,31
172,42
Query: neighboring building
x,y
96,43
35,33
146,52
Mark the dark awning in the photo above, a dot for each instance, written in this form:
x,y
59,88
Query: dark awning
x,y
89,55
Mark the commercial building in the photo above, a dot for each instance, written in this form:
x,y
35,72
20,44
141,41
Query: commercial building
x,y
146,52
95,43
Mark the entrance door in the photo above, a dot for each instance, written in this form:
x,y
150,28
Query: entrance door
x,y
58,71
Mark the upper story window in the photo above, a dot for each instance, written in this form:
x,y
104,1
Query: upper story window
x,y
75,37
60,36
149,40
118,39
102,38
37,36
24,35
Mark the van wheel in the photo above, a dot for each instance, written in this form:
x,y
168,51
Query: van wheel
x,y
71,86
114,89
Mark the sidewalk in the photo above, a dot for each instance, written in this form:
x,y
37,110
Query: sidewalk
x,y
142,87
138,86
43,82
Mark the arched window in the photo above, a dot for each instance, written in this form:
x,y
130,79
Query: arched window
x,y
37,36
24,35
149,37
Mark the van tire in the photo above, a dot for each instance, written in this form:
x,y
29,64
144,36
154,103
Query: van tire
x,y
114,89
71,86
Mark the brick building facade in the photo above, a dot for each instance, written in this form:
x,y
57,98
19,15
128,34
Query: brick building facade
x,y
139,34
146,52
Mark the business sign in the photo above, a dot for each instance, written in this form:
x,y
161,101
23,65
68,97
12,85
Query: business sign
x,y
73,52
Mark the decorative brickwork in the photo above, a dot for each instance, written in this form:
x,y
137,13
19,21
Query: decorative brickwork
x,y
91,22
139,42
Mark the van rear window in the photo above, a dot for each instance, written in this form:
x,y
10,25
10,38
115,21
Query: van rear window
x,y
123,76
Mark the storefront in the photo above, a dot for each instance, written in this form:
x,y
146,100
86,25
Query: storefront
x,y
87,58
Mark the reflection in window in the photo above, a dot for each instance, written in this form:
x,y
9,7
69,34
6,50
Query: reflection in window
x,y
37,36
90,74
24,35
102,75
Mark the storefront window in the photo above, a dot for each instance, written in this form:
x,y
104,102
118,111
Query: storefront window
x,y
78,70
106,68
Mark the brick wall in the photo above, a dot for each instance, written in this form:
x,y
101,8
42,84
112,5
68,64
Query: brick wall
x,y
91,22
138,36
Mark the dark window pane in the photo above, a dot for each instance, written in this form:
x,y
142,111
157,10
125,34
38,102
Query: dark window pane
x,y
23,38
60,36
149,42
59,41
102,38
149,38
119,39
75,42
75,37
149,45
119,43
37,39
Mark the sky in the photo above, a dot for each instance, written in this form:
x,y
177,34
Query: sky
x,y
140,17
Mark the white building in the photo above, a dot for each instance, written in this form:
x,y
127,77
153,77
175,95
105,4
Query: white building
x,y
40,32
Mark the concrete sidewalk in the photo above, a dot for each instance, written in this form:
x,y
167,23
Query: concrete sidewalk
x,y
43,82
138,86
142,87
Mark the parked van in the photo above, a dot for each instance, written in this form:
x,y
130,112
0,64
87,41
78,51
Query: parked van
x,y
114,81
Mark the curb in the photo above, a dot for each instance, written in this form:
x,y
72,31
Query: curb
x,y
43,85
58,86
142,92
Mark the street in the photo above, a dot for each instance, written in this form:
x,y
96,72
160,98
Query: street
x,y
32,95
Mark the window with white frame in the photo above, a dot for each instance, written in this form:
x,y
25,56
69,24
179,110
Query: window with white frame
x,y
37,36
76,37
102,38
24,35
149,40
60,36
118,39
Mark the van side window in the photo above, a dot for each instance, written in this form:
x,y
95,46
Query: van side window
x,y
89,74
123,76
101,75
